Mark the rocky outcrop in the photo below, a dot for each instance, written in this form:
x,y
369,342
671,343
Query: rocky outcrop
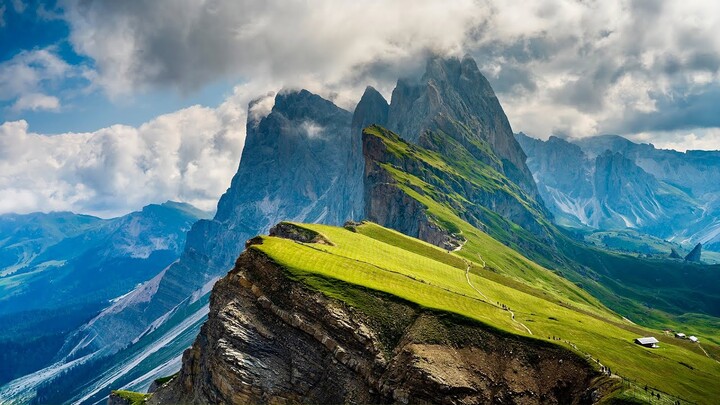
x,y
115,399
372,109
269,339
287,230
695,254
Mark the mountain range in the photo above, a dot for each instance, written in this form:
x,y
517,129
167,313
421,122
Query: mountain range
x,y
610,183
60,269
438,162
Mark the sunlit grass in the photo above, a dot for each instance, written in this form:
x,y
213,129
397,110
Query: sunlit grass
x,y
388,262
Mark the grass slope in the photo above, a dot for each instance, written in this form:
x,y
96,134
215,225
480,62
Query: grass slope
x,y
386,261
653,292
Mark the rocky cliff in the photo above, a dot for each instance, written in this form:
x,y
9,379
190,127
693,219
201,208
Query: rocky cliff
x,y
372,109
453,178
608,182
271,339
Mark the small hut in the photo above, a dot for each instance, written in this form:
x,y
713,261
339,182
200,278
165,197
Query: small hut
x,y
649,341
693,339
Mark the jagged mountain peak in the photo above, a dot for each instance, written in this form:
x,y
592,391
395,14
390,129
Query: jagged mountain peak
x,y
294,104
371,109
459,73
454,98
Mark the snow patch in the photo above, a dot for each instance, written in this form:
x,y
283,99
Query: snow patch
x,y
126,366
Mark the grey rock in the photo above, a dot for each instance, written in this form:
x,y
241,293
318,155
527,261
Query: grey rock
x,y
609,182
372,109
695,254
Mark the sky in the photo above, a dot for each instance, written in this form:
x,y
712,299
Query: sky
x,y
106,106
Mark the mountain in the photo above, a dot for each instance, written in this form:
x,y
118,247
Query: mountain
x,y
440,163
294,166
60,269
364,314
451,111
454,98
610,183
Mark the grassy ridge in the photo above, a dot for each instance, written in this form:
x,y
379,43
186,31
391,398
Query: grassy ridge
x,y
656,293
388,262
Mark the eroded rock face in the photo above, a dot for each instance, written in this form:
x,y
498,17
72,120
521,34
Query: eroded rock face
x,y
272,340
388,205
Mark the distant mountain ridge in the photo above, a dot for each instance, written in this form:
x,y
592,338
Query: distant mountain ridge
x,y
608,182
59,269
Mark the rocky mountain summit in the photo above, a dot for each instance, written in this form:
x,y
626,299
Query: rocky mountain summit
x,y
454,98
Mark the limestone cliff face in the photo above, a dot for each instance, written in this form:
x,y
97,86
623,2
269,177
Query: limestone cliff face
x,y
372,109
269,339
388,205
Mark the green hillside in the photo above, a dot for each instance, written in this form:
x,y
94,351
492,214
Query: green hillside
x,y
499,288
446,180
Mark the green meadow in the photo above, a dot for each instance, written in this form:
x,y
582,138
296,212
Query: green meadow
x,y
479,282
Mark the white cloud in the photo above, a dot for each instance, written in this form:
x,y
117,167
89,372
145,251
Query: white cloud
x,y
559,66
699,139
19,6
189,155
25,78
567,67
312,129
334,43
36,101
